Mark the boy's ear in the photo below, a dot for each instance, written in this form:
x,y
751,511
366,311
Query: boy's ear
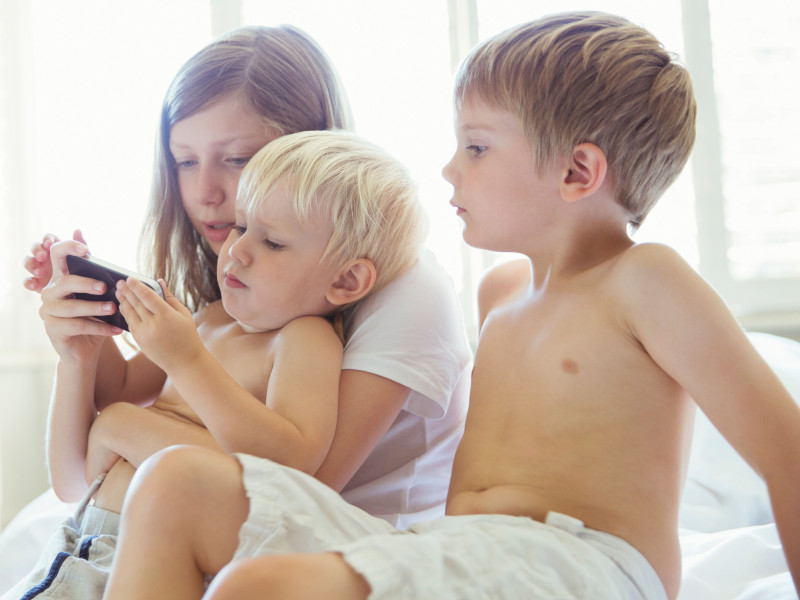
x,y
353,282
584,173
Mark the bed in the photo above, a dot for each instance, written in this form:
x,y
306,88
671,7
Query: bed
x,y
729,542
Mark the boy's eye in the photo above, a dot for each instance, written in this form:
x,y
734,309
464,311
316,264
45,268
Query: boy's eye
x,y
273,245
476,150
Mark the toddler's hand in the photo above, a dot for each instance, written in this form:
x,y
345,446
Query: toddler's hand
x,y
164,328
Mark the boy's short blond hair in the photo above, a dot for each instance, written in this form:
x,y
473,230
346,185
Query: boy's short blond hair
x,y
591,77
369,196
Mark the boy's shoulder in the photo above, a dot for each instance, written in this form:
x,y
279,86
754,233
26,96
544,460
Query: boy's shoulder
x,y
649,267
500,282
305,330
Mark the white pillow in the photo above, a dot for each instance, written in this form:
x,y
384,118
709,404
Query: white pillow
x,y
722,491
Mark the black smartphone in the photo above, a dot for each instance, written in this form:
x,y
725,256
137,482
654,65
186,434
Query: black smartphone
x,y
94,268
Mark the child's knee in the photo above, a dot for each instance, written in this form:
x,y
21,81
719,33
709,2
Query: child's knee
x,y
167,476
296,576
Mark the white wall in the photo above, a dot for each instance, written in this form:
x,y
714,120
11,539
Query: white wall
x,y
25,383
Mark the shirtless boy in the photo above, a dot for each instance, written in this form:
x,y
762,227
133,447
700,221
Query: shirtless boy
x,y
592,354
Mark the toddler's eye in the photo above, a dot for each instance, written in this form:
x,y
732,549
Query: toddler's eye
x,y
240,229
476,150
273,245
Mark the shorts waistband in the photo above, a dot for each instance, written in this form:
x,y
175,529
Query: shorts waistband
x,y
627,558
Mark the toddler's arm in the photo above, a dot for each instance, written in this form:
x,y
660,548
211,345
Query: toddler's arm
x,y
294,426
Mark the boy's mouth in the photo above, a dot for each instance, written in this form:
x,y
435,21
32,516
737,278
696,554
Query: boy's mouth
x,y
232,281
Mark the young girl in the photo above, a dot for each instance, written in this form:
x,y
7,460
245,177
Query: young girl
x,y
404,384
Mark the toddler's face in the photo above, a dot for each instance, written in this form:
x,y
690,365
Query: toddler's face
x,y
270,269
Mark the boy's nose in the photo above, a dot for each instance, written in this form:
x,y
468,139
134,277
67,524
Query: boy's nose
x,y
448,171
238,251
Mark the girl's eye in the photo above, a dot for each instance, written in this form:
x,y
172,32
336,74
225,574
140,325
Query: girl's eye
x,y
185,164
476,150
273,245
239,229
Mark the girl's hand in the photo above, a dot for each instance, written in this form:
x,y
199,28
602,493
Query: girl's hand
x,y
38,264
164,328
75,337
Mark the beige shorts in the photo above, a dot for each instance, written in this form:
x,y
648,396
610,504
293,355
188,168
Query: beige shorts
x,y
460,557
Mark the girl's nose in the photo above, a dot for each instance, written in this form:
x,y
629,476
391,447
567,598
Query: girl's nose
x,y
209,187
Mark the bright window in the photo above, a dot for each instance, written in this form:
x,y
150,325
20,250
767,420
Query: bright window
x,y
81,85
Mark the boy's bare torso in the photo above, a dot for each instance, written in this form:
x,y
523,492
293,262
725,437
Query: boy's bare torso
x,y
247,357
568,413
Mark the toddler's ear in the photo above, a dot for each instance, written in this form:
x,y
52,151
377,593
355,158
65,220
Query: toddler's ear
x,y
353,282
584,173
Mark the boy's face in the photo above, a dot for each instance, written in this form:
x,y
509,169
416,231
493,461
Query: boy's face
x,y
498,193
270,269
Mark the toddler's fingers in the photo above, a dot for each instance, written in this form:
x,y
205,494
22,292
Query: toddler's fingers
x,y
131,301
148,298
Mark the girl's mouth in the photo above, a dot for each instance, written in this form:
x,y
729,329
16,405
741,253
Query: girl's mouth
x,y
217,232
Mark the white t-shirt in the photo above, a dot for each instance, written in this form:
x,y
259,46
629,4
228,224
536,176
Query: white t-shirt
x,y
412,332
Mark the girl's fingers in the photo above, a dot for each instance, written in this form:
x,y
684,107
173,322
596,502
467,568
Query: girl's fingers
x,y
59,251
75,327
69,308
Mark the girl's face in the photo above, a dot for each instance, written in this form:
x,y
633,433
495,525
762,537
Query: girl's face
x,y
210,149
271,269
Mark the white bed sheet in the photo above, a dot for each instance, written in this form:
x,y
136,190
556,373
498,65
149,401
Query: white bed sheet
x,y
729,542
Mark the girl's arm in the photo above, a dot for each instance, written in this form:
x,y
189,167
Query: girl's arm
x,y
79,343
71,415
295,424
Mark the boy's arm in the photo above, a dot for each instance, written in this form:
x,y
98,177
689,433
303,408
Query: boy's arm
x,y
688,330
296,425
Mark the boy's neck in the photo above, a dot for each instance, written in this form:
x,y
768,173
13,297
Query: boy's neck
x,y
578,246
